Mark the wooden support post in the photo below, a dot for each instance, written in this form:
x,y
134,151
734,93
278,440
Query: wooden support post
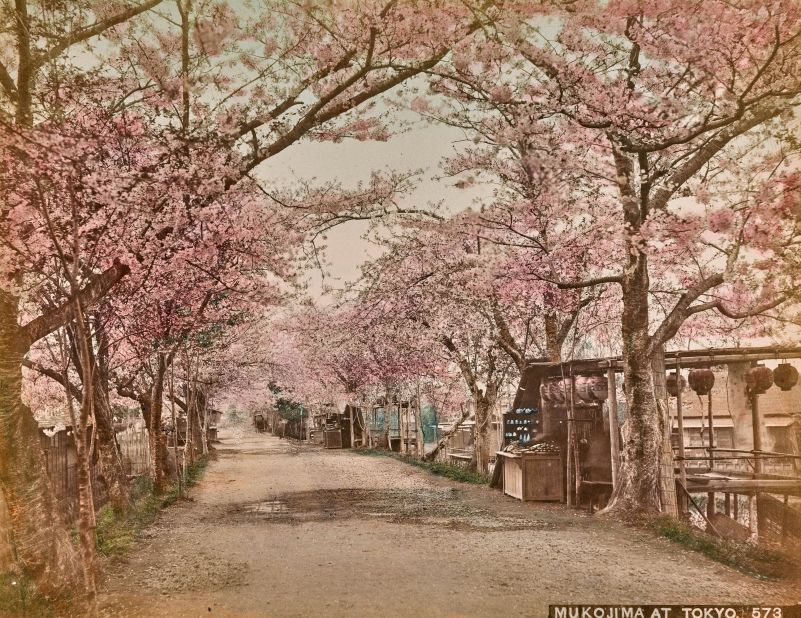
x,y
785,512
418,419
753,518
667,472
756,429
400,429
571,430
711,507
711,422
736,509
576,453
727,504
409,427
614,431
175,430
757,432
352,427
684,507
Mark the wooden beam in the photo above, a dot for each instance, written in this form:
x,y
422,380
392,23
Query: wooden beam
x,y
746,486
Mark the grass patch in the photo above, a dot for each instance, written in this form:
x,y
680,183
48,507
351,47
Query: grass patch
x,y
118,532
18,597
452,471
749,559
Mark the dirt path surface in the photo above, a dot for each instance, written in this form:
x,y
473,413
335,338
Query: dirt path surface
x,y
279,531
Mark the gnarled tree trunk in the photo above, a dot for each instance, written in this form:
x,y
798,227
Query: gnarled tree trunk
x,y
110,465
109,461
484,404
40,536
637,493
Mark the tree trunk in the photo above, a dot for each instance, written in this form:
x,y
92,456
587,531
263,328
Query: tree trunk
x,y
483,435
387,423
39,534
158,445
553,346
86,503
189,452
667,475
418,419
443,439
637,493
80,426
86,517
197,431
110,465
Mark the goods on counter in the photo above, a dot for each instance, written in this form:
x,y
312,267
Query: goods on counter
x,y
541,448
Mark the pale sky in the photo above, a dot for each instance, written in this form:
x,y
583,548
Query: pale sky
x,y
422,147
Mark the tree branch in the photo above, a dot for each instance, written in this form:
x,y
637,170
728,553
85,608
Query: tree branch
x,y
54,375
741,315
662,195
681,310
9,87
505,339
573,285
91,293
84,34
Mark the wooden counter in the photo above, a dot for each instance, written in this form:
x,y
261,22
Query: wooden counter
x,y
533,476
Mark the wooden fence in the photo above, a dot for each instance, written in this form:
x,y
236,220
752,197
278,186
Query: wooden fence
x,y
135,450
62,468
779,521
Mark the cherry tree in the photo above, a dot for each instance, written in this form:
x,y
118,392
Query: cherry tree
x,y
38,38
673,123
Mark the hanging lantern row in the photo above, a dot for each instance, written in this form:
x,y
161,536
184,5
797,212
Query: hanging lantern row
x,y
590,389
758,379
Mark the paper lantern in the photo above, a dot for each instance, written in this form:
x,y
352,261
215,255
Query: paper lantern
x,y
598,387
557,391
785,376
545,393
675,383
702,381
759,379
584,389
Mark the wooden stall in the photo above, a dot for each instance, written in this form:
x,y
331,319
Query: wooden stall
x,y
734,445
560,413
336,431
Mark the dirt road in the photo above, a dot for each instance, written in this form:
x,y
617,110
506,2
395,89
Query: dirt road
x,y
276,531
